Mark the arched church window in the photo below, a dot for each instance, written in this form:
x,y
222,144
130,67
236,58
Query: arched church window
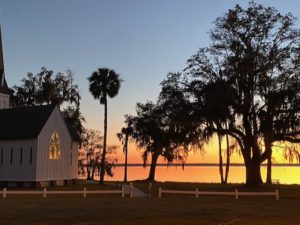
x,y
54,147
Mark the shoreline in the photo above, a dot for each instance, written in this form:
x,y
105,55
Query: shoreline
x,y
202,165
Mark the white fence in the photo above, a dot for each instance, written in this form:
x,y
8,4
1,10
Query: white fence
x,y
45,192
85,192
236,193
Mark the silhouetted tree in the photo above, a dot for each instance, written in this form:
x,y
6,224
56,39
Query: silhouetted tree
x,y
149,133
48,88
104,83
163,129
92,148
216,109
91,144
124,136
255,53
74,119
279,118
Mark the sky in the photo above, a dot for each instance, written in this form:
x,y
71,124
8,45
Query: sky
x,y
142,40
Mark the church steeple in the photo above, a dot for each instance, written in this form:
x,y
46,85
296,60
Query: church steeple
x,y
3,83
4,90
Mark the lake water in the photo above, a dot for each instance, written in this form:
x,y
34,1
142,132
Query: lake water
x,y
205,174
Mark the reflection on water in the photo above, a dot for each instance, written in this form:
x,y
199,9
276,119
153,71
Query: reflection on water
x,y
205,174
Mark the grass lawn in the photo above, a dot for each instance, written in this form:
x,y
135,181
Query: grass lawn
x,y
170,210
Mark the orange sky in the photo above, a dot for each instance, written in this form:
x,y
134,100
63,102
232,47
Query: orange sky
x,y
211,150
210,155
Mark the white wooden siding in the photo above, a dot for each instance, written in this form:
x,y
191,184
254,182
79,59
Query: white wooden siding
x,y
4,101
16,171
74,167
60,169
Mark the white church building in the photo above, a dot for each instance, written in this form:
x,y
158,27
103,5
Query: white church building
x,y
37,148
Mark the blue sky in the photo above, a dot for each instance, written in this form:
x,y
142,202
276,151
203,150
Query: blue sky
x,y
141,40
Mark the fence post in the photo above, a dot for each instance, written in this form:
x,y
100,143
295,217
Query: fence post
x,y
4,192
159,192
123,191
84,192
44,192
277,194
131,192
236,194
197,193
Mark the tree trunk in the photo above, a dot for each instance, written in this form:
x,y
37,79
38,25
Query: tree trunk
x,y
268,139
151,176
93,171
227,159
220,159
253,175
102,169
269,170
126,157
269,166
251,154
88,167
268,151
88,173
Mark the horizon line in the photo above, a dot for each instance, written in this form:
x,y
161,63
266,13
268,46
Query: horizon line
x,y
201,164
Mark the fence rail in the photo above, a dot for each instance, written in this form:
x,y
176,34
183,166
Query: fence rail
x,y
45,192
85,192
236,193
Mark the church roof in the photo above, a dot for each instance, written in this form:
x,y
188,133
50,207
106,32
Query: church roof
x,y
26,122
23,123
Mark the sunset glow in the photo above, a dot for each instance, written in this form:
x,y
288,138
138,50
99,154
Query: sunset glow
x,y
151,112
142,41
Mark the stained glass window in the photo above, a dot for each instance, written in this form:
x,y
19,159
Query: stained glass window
x,y
54,148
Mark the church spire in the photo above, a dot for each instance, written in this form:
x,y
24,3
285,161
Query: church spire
x,y
4,90
3,84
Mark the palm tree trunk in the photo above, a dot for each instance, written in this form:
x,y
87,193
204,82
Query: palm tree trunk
x,y
220,159
102,169
126,157
227,158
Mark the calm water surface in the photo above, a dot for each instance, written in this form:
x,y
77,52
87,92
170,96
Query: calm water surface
x,y
205,174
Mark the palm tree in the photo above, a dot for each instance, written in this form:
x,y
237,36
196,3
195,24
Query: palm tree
x,y
104,83
124,136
